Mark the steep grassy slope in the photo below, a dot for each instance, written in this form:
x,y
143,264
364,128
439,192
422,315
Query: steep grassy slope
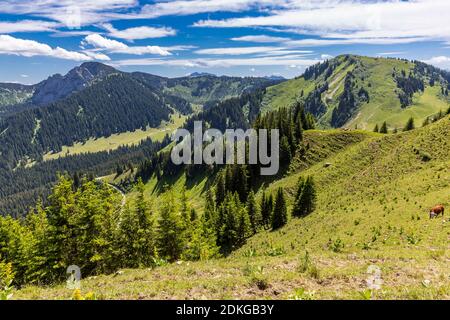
x,y
373,204
378,76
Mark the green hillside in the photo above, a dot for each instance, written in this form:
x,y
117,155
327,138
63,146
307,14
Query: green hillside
x,y
379,78
374,194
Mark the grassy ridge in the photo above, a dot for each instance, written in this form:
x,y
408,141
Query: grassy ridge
x,y
376,76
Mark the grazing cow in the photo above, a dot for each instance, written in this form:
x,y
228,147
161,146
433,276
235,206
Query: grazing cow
x,y
436,211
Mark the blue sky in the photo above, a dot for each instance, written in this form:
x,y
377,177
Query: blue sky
x,y
232,37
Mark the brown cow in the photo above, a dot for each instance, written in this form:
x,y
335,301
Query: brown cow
x,y
436,211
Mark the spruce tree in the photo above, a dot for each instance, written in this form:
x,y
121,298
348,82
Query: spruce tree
x,y
244,227
279,215
220,189
254,212
145,245
409,125
169,239
376,128
266,210
297,210
285,152
305,201
384,128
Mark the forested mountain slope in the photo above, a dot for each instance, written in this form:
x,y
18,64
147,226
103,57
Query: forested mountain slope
x,y
361,92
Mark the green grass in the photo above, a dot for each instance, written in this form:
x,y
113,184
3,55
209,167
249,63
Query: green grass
x,y
121,139
373,204
286,93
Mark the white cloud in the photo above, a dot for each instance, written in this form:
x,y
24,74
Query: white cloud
x,y
97,55
189,7
136,33
115,46
288,60
326,57
69,12
237,50
27,26
179,48
332,42
352,20
30,48
261,39
440,62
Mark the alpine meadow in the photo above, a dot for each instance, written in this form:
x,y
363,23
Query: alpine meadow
x,y
93,205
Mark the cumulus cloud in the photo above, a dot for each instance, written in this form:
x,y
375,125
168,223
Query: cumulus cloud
x,y
439,61
137,33
27,26
115,46
30,48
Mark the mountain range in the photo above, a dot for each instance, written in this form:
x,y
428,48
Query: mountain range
x,y
97,105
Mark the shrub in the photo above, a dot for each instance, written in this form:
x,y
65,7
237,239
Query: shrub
x,y
301,294
306,265
6,280
336,245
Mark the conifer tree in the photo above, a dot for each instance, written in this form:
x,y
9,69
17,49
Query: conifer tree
x,y
384,128
220,189
244,227
170,238
145,245
305,199
266,209
254,213
409,125
279,215
297,209
376,129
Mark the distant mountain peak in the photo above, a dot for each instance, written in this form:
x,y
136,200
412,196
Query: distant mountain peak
x,y
58,86
201,74
97,68
275,77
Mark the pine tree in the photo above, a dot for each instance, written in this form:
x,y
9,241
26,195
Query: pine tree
x,y
145,246
254,212
376,128
297,209
220,189
62,245
384,128
170,241
36,252
266,209
228,222
305,199
409,125
285,152
279,215
244,227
